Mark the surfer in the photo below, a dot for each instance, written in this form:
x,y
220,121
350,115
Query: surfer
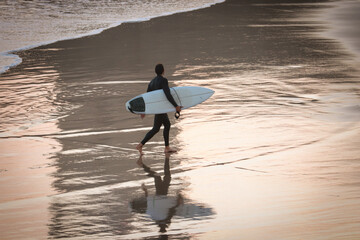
x,y
159,82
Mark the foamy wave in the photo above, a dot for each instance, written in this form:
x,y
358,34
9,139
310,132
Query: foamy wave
x,y
15,43
8,60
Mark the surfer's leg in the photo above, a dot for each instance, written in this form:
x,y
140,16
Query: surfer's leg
x,y
166,133
151,133
167,124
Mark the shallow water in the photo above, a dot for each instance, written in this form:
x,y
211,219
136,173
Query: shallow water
x,y
272,155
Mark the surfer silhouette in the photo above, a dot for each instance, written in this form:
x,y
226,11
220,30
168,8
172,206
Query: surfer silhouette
x,y
159,82
160,207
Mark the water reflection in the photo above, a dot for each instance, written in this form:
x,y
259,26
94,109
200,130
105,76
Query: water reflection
x,y
142,198
161,206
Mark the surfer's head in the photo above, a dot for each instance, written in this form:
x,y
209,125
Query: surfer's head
x,y
159,69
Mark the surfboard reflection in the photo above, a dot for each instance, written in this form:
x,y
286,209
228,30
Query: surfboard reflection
x,y
161,206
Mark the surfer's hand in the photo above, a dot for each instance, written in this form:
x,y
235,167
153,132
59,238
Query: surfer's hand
x,y
178,108
142,116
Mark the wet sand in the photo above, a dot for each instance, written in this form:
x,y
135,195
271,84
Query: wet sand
x,y
272,155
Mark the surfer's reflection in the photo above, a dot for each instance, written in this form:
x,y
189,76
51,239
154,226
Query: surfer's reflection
x,y
160,207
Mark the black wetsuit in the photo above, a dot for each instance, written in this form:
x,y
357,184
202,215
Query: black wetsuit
x,y
159,82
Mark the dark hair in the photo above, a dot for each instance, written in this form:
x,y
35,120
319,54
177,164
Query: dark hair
x,y
159,69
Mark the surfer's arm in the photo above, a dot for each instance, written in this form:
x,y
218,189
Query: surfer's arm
x,y
148,90
165,87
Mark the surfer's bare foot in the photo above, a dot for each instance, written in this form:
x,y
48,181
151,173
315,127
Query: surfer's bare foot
x,y
170,150
139,148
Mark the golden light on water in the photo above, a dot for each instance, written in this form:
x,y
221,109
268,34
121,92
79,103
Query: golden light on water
x,y
275,169
274,153
27,162
284,189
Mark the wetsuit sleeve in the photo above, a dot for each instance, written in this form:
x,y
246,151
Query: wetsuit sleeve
x,y
148,89
165,87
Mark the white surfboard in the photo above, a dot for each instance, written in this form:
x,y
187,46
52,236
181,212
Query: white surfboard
x,y
155,102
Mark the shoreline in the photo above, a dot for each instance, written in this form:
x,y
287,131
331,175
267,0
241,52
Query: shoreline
x,y
333,31
17,60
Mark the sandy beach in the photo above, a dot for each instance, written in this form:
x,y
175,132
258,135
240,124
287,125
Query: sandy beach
x,y
274,154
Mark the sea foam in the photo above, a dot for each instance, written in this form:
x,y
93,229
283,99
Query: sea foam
x,y
25,25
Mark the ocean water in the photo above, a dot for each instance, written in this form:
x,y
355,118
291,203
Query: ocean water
x,y
27,24
273,154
